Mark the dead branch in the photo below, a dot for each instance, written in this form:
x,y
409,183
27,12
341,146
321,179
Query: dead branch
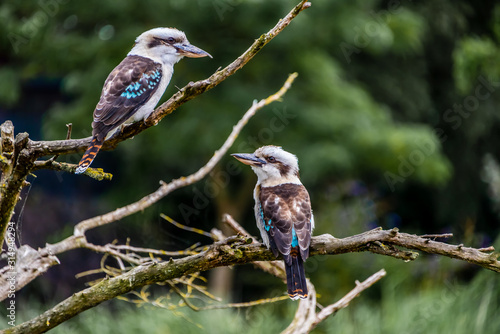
x,y
78,240
234,251
219,254
15,164
379,239
29,264
95,173
244,249
327,244
18,157
188,92
306,318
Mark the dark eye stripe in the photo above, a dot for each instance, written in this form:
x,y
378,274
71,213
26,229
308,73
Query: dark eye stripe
x,y
157,41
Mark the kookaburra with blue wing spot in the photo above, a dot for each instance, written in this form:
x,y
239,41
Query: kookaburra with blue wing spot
x,y
135,86
283,211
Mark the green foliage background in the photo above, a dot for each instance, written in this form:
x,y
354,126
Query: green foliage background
x,y
385,118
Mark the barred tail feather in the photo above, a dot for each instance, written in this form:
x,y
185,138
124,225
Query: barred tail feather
x,y
88,157
296,276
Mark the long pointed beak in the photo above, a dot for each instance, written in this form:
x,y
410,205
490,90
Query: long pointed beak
x,y
248,159
191,51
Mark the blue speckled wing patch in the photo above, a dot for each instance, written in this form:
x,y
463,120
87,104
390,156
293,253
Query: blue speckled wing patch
x,y
128,87
148,82
267,224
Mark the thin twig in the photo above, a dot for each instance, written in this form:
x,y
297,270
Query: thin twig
x,y
108,250
246,304
152,250
184,227
96,173
344,301
306,318
70,127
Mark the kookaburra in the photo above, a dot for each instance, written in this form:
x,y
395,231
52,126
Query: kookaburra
x,y
134,87
283,211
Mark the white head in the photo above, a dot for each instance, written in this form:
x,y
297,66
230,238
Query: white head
x,y
165,45
272,165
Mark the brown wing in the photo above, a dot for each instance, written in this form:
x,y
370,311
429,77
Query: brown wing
x,y
128,87
286,216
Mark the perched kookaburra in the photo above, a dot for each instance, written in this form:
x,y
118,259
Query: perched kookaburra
x,y
135,86
283,211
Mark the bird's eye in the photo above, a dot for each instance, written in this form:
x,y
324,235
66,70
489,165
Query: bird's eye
x,y
271,159
171,40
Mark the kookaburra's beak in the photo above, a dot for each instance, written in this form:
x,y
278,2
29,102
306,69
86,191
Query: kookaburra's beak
x,y
249,159
191,51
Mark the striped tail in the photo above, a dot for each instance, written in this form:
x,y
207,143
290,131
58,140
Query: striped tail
x,y
88,157
296,276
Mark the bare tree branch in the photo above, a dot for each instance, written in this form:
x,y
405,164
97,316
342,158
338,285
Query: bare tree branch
x,y
95,173
375,241
327,244
7,199
306,318
18,156
78,240
344,301
153,250
234,251
188,92
16,163
219,254
29,264
365,241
